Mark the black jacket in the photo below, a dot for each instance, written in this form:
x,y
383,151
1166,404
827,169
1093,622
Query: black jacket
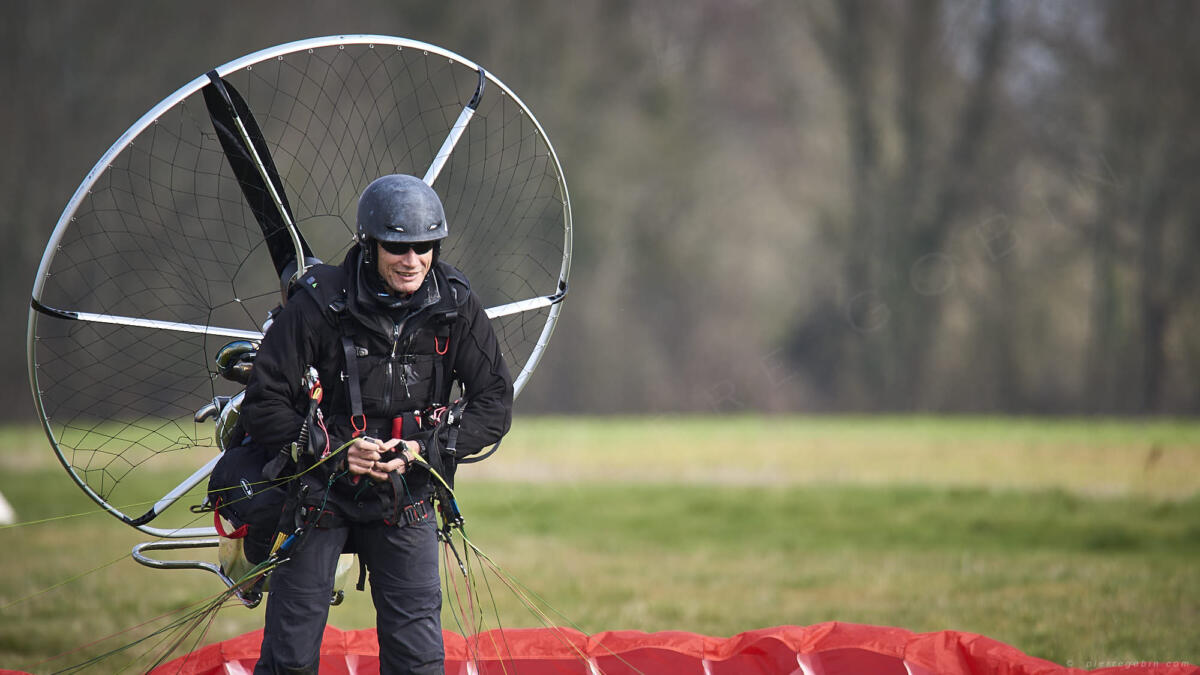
x,y
400,347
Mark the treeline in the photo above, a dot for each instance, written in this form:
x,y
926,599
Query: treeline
x,y
787,206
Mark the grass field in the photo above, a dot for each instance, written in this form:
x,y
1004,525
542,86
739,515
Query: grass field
x,y
1075,541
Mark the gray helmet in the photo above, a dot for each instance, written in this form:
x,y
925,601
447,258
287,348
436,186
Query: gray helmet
x,y
400,208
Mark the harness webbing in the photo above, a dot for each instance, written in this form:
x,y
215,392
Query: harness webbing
x,y
357,419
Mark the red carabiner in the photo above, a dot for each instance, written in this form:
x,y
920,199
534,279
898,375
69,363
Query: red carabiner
x,y
442,350
358,430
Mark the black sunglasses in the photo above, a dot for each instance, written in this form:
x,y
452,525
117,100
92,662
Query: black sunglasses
x,y
402,247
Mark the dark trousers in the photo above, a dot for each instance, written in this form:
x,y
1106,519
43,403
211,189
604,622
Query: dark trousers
x,y
405,587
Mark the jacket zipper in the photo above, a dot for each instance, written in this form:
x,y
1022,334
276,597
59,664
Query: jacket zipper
x,y
397,328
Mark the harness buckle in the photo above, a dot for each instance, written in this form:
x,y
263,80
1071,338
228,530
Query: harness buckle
x,y
415,513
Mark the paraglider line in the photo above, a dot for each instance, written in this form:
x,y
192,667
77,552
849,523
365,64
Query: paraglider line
x,y
207,605
495,612
147,622
76,577
456,609
519,589
541,616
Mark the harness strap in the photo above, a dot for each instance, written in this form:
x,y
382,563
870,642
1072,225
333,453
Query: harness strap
x,y
453,417
392,500
439,372
441,345
357,419
273,468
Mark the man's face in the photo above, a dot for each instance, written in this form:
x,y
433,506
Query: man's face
x,y
403,272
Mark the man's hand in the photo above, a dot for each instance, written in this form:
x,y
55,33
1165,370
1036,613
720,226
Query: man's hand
x,y
365,457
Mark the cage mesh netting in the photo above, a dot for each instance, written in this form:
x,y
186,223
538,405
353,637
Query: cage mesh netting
x,y
161,231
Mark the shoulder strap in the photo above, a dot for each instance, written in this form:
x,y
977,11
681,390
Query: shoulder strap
x,y
327,285
458,288
357,419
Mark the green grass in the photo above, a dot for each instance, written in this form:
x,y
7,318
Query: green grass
x,y
1158,458
1071,540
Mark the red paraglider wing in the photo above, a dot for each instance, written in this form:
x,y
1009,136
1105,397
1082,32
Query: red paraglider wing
x,y
822,649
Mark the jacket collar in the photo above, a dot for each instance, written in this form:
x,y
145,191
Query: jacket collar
x,y
380,311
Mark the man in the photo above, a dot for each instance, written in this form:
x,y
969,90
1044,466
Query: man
x,y
409,326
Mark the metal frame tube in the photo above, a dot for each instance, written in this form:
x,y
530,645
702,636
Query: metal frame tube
x,y
456,132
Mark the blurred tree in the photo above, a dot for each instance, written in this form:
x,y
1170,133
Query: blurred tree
x,y
1151,67
913,177
1125,86
780,205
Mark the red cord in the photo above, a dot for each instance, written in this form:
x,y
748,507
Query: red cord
x,y
236,534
